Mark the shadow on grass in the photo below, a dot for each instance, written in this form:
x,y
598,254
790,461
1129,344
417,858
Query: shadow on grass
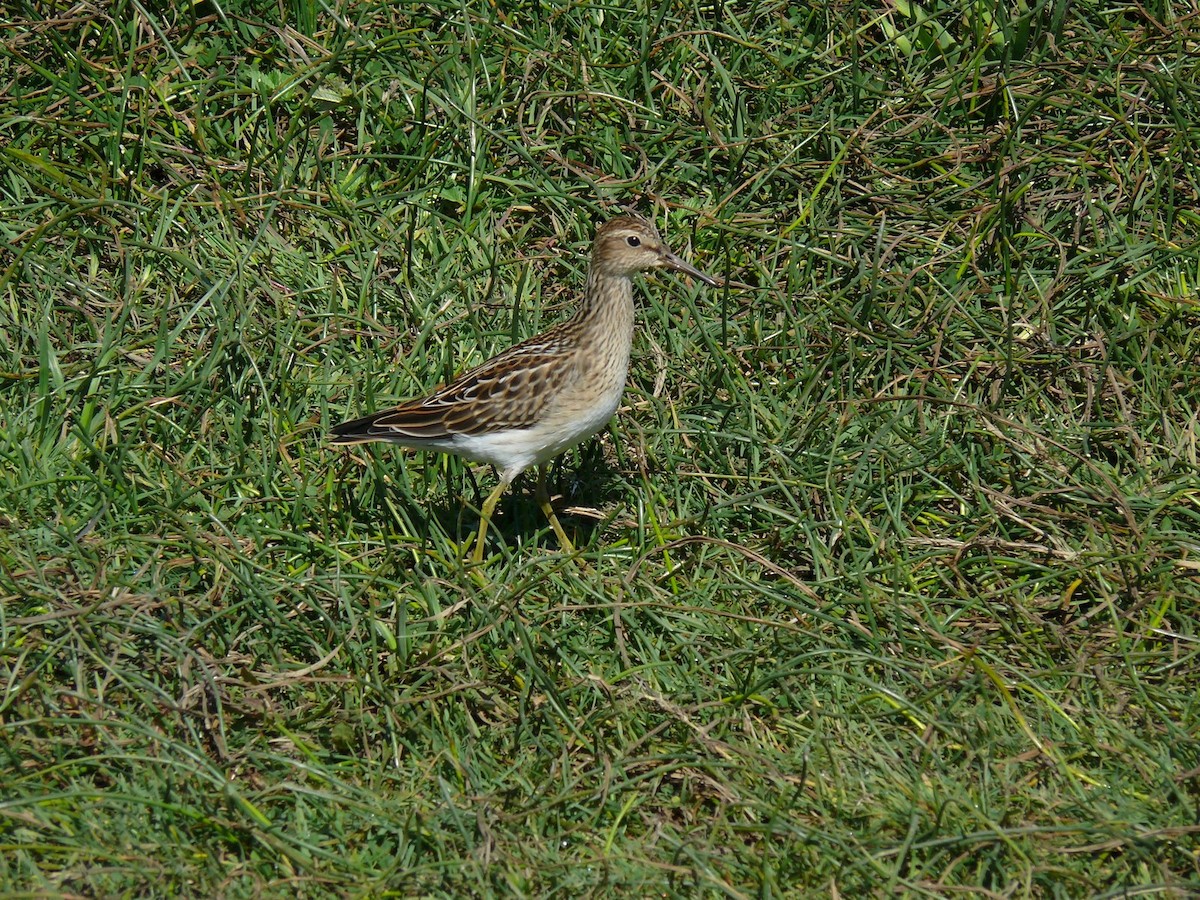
x,y
453,515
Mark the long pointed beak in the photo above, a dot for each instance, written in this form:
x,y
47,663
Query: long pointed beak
x,y
671,261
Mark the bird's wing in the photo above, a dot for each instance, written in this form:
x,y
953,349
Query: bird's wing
x,y
510,390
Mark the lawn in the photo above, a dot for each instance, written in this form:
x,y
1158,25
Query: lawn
x,y
888,570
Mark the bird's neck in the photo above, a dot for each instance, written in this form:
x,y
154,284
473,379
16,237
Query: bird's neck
x,y
607,302
604,323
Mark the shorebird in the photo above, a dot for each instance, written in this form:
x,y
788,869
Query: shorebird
x,y
542,396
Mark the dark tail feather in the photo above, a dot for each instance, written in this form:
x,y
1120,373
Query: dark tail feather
x,y
399,425
354,432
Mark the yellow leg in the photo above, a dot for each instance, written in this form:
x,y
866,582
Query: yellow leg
x,y
543,499
485,518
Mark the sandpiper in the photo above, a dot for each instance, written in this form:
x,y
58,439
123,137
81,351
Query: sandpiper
x,y
528,404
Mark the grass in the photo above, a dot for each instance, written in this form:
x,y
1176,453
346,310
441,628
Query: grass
x,y
892,553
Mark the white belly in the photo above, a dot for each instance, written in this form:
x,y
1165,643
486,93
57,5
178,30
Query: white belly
x,y
517,449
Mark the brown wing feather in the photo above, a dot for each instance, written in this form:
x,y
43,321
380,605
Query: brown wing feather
x,y
510,390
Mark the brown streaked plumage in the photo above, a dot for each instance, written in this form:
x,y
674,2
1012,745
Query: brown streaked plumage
x,y
528,404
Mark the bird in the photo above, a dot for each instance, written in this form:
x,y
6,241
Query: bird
x,y
531,402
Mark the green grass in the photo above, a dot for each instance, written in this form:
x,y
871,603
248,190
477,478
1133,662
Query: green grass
x,y
892,555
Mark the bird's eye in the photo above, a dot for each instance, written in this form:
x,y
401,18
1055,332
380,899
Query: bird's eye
x,y
633,241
